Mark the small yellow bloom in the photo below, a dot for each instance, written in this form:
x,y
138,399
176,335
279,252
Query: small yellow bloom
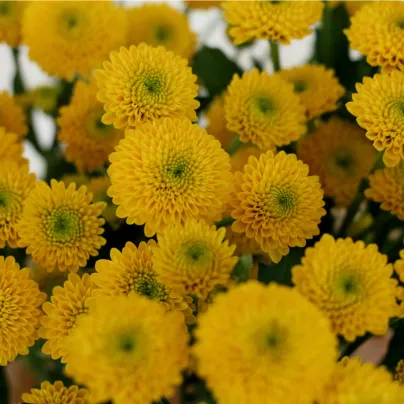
x,y
12,116
11,13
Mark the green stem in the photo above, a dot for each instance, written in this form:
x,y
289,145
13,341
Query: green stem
x,y
3,385
378,223
275,55
31,137
18,83
327,54
234,145
227,221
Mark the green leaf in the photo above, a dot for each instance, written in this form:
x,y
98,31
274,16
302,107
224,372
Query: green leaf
x,y
241,272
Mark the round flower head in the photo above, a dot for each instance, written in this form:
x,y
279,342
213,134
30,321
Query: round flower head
x,y
279,21
69,37
160,24
379,108
60,226
132,272
266,344
137,348
317,87
19,314
263,109
10,21
277,203
351,283
357,383
377,31
193,258
12,116
167,171
56,393
11,148
339,153
89,142
62,312
142,83
15,185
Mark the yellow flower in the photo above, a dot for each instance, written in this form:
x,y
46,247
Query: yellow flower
x,y
56,393
240,157
378,107
15,185
203,4
167,171
266,344
160,24
354,6
263,109
399,269
277,203
89,142
10,21
317,87
399,374
355,383
244,245
387,188
193,258
132,272
19,314
279,21
143,83
377,31
351,283
339,153
60,226
12,116
11,148
128,350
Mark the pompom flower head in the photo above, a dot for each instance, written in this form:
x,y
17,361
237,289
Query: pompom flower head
x,y
351,283
167,171
12,116
10,21
193,258
263,109
260,343
279,21
137,348
19,313
142,83
60,226
69,37
277,203
379,109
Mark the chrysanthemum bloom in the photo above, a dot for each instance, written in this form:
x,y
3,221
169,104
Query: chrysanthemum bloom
x,y
16,183
10,21
356,383
160,24
142,83
89,142
264,110
12,116
167,171
132,272
399,373
240,157
20,298
60,226
203,4
194,258
137,348
378,107
351,283
317,87
279,21
265,344
339,153
399,269
11,148
56,393
62,312
277,203
377,31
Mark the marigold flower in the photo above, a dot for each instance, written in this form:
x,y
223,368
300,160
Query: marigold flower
x,y
193,258
377,31
19,314
10,21
69,37
317,87
167,171
263,109
279,21
60,226
351,283
12,116
260,343
142,83
378,107
137,348
277,203
338,152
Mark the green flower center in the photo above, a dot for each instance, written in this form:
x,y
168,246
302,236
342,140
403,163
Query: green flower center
x,y
5,8
64,225
152,85
342,162
127,343
163,33
98,130
10,205
281,202
264,105
348,285
400,24
299,86
148,288
176,175
274,339
197,253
